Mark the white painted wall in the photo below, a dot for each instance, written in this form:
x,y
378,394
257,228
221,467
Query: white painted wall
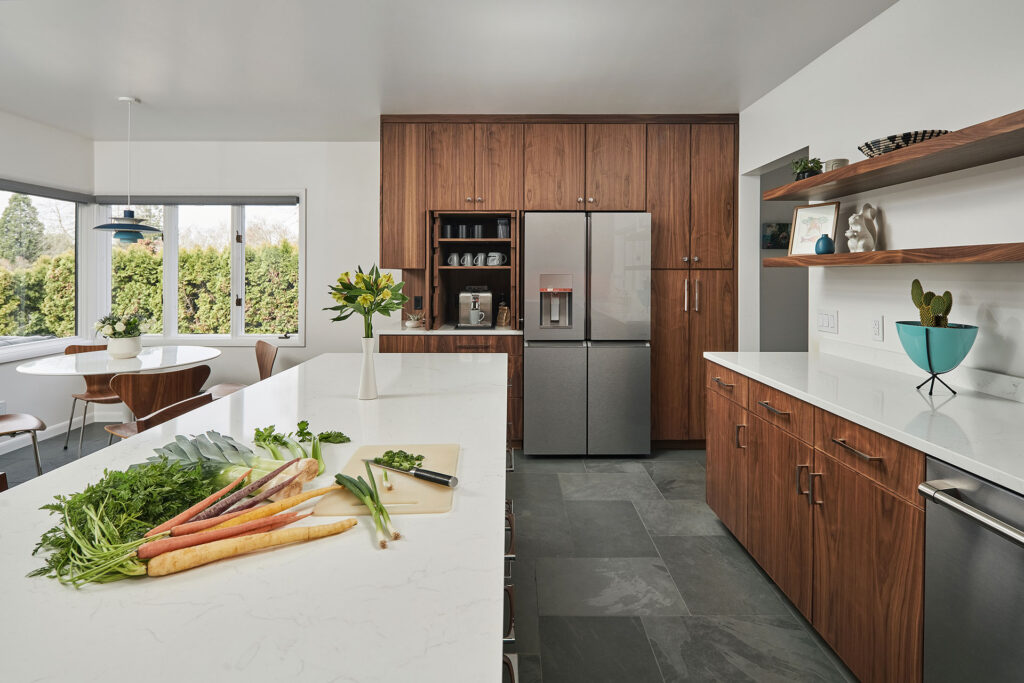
x,y
920,64
783,291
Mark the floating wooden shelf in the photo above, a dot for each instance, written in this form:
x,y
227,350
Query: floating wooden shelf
x,y
984,143
1012,252
449,240
474,267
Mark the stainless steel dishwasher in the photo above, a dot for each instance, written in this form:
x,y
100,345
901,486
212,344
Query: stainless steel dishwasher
x,y
974,579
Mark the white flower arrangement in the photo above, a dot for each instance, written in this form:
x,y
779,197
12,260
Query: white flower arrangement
x,y
122,326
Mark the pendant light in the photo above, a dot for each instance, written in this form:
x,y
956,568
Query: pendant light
x,y
128,229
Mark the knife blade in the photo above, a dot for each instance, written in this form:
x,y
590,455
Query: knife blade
x,y
448,480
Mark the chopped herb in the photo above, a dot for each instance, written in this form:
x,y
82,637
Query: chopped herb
x,y
333,437
400,460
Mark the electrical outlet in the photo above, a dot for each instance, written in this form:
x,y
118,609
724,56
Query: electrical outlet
x,y
417,303
828,321
878,328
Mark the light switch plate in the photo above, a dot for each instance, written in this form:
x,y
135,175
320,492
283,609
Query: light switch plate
x,y
3,407
828,320
878,328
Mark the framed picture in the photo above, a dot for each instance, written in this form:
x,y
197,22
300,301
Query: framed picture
x,y
811,222
775,235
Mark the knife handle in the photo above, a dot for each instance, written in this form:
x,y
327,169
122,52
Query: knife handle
x,y
435,477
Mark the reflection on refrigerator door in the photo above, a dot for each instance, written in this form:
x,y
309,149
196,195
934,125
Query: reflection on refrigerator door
x,y
619,398
620,276
555,409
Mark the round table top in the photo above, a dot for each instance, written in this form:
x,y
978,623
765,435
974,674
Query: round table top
x,y
100,363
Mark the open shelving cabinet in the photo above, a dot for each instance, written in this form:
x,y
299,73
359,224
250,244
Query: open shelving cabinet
x,y
446,281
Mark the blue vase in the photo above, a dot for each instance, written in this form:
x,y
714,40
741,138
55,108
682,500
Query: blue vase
x,y
936,350
824,245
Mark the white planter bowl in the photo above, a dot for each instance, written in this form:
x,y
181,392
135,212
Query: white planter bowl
x,y
124,347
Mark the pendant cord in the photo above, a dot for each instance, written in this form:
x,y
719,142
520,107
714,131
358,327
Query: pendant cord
x,y
129,205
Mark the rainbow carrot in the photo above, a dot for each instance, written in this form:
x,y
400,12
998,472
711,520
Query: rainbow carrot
x,y
195,509
163,545
193,527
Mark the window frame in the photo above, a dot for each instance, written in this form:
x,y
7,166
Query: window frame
x,y
237,336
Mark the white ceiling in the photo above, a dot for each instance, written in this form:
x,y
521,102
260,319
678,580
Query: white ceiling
x,y
325,69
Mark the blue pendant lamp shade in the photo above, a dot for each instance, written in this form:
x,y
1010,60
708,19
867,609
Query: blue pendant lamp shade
x,y
128,229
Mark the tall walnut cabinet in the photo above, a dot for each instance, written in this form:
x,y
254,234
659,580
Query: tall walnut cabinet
x,y
681,169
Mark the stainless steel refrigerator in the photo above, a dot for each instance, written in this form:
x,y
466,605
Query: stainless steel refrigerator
x,y
587,329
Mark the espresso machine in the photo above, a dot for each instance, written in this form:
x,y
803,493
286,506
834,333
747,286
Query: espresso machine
x,y
476,308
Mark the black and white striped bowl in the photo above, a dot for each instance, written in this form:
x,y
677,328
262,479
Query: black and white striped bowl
x,y
889,143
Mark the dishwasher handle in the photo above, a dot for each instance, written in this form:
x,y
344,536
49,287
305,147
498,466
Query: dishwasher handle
x,y
943,493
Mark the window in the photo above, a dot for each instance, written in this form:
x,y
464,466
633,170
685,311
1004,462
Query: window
x,y
230,270
38,278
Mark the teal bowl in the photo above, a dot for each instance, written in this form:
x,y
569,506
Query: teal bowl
x,y
936,349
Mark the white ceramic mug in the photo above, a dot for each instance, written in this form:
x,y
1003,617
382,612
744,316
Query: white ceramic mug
x,y
480,259
467,259
453,259
496,258
476,316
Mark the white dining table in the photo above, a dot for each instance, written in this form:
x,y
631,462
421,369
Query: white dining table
x,y
150,359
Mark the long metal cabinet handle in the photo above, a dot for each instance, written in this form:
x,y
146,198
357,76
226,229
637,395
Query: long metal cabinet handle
x,y
943,494
773,409
859,454
738,428
696,295
686,295
719,382
799,489
810,488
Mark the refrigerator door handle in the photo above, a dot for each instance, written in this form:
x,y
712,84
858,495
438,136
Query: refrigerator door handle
x,y
686,295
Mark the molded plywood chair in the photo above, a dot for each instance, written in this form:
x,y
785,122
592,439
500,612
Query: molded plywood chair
x,y
266,354
97,390
172,411
147,393
20,423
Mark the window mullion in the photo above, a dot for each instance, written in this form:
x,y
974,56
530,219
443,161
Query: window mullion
x,y
237,271
170,290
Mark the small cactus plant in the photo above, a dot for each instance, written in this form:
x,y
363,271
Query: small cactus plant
x,y
934,308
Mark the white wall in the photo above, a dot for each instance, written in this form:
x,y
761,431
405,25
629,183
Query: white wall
x,y
783,291
920,64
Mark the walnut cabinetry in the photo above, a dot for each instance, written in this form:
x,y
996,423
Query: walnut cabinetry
x,y
825,506
403,200
554,162
474,166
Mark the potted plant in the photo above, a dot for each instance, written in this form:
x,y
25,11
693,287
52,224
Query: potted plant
x,y
123,333
366,294
805,168
933,343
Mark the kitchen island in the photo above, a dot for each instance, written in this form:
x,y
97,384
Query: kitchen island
x,y
429,608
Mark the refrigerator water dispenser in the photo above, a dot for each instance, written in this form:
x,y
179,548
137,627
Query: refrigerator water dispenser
x,y
556,301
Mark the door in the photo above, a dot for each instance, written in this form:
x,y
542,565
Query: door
x,y
711,306
727,464
499,166
619,398
620,276
668,193
670,357
555,270
616,166
868,574
555,398
449,168
779,509
553,161
403,203
713,169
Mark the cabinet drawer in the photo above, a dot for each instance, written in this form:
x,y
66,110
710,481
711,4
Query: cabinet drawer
x,y
782,410
515,376
475,343
895,466
514,420
730,384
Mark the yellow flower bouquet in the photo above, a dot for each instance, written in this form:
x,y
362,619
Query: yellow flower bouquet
x,y
366,294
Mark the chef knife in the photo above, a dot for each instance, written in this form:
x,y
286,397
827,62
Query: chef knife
x,y
426,475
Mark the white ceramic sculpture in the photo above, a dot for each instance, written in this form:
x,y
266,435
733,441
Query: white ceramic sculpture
x,y
862,233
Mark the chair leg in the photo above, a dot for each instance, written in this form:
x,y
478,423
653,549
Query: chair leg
x,y
110,438
35,450
71,420
81,434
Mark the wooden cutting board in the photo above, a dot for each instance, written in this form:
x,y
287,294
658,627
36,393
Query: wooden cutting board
x,y
408,495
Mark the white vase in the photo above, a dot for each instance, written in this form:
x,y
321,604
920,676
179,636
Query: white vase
x,y
124,347
367,377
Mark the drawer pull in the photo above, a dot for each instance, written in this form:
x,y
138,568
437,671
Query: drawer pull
x,y
799,488
473,347
810,488
772,409
738,428
859,454
719,382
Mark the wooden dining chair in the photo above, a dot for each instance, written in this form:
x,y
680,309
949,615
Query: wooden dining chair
x,y
144,394
123,431
20,423
97,390
266,354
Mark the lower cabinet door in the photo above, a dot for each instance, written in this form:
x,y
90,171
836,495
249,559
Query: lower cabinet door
x,y
868,574
727,463
779,509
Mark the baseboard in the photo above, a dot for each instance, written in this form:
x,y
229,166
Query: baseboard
x,y
692,445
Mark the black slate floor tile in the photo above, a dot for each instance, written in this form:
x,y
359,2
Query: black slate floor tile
x,y
679,518
629,486
620,586
596,650
525,582
716,576
608,528
616,465
542,526
534,464
529,669
761,649
679,480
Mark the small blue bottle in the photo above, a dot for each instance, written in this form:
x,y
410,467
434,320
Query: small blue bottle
x,y
825,245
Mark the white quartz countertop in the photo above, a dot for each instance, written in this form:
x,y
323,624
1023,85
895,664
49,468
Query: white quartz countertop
x,y
451,329
976,432
429,608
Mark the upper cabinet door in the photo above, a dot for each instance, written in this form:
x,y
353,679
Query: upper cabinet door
x,y
554,160
616,166
668,194
449,168
713,169
499,166
402,196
